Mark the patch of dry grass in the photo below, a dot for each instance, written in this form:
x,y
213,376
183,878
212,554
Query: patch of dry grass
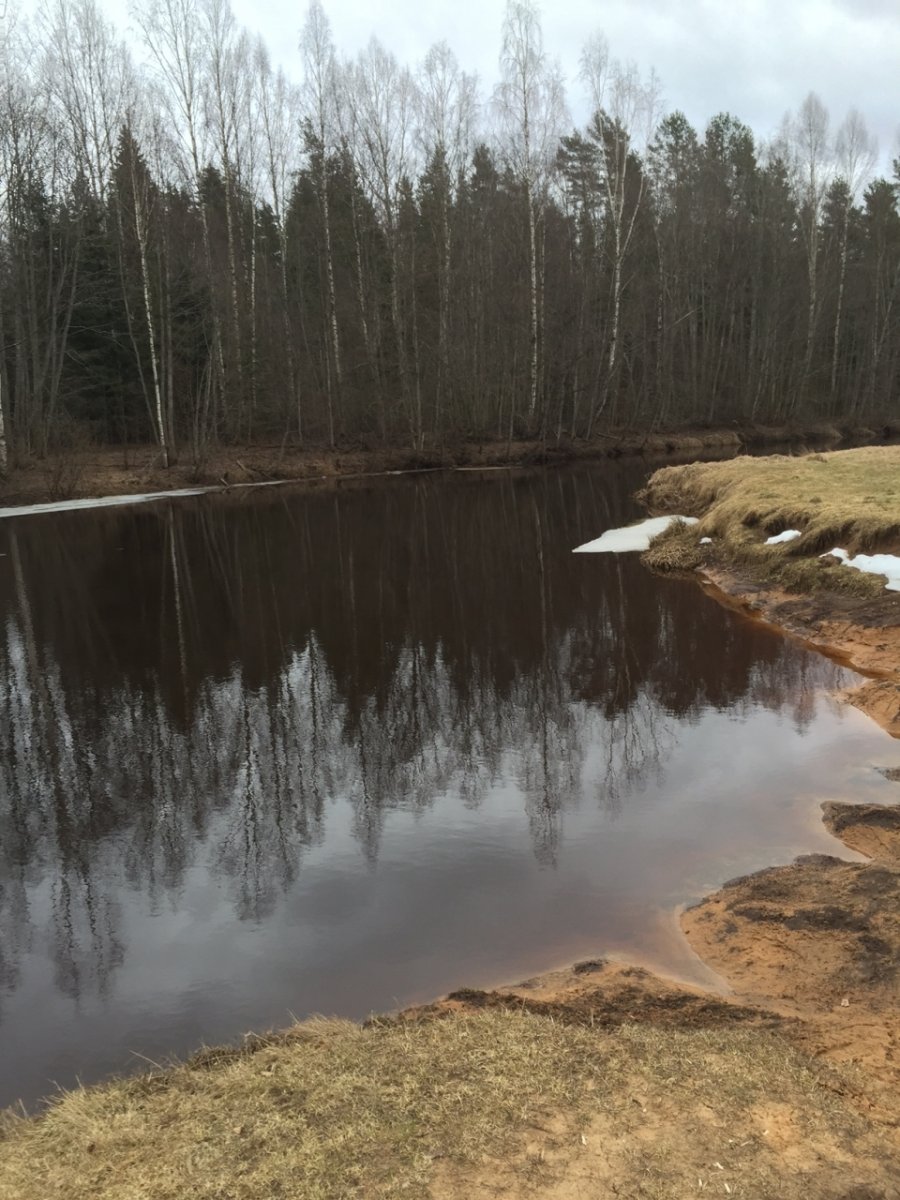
x,y
847,498
333,1110
677,548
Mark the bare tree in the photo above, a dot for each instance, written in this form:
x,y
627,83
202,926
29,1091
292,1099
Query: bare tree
x,y
278,105
625,111
447,111
856,152
529,101
319,97
174,36
4,203
807,149
228,80
91,78
380,95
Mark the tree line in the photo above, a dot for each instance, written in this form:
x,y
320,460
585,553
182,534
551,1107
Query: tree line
x,y
194,249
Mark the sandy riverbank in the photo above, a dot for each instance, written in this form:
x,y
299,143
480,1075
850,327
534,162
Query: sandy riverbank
x,y
599,1080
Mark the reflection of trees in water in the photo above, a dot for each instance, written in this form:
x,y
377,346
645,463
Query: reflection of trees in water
x,y
194,685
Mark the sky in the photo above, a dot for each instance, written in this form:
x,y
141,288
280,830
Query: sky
x,y
754,58
757,59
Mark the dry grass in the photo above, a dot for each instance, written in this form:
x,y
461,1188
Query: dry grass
x,y
677,548
332,1110
848,498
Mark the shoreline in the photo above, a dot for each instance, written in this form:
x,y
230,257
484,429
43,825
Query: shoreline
x,y
863,635
786,1084
809,504
869,832
103,473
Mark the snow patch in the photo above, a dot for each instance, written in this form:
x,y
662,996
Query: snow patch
x,y
31,510
871,564
630,537
788,536
705,541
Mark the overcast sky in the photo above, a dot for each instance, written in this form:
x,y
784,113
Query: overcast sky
x,y
754,58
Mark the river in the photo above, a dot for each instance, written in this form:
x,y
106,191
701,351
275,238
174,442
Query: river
x,y
340,751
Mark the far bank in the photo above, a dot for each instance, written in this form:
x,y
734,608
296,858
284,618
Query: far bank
x,y
80,472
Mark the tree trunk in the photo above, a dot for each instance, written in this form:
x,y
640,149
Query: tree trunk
x,y
532,262
839,310
335,400
148,316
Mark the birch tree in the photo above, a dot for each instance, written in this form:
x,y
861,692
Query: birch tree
x,y
856,152
174,37
625,112
807,149
135,199
447,99
227,95
319,98
530,105
278,105
381,98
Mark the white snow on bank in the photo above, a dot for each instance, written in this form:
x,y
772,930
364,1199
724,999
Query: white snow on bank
x,y
630,537
872,564
31,510
787,536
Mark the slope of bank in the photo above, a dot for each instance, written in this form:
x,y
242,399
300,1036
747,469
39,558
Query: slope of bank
x,y
601,1080
847,500
80,473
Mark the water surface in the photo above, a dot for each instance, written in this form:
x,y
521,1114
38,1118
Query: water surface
x,y
341,751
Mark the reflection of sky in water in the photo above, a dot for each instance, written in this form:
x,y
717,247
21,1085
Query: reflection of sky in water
x,y
345,752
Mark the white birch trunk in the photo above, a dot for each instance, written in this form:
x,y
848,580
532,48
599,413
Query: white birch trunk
x,y
4,455
141,230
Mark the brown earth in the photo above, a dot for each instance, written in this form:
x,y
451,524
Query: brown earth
x,y
819,940
129,470
792,944
859,632
83,472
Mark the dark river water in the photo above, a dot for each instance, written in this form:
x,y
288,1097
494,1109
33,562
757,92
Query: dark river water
x,y
342,751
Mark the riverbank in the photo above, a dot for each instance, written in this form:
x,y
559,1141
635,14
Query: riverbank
x,y
594,1081
846,499
80,473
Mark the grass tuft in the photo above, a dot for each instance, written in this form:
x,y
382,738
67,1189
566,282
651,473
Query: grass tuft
x,y
676,549
847,498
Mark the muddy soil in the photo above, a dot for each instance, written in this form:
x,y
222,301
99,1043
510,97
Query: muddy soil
x,y
819,941
107,471
93,471
809,951
860,632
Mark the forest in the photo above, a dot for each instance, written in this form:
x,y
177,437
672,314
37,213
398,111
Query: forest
x,y
196,250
